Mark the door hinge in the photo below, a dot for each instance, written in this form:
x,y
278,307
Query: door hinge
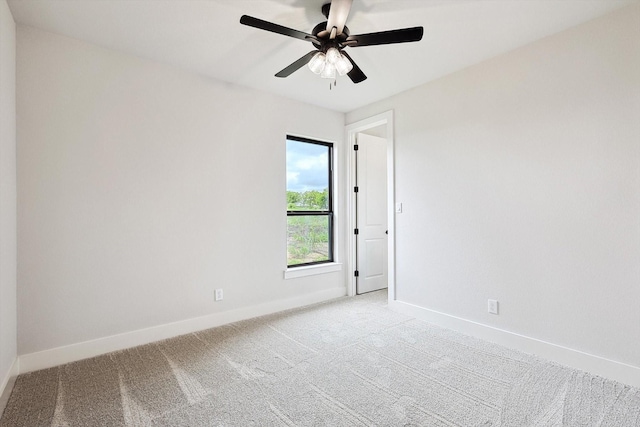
x,y
355,231
355,189
355,147
356,273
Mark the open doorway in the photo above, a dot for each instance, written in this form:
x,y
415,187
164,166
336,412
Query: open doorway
x,y
371,205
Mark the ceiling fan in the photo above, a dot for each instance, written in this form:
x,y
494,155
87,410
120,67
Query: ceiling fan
x,y
330,38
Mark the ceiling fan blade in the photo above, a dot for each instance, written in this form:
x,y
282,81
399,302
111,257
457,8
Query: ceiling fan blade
x,y
356,75
286,72
338,14
403,35
274,28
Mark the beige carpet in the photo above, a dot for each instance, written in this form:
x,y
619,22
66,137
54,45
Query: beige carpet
x,y
350,362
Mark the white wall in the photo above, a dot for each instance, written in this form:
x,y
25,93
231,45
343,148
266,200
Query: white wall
x,y
141,188
520,181
7,194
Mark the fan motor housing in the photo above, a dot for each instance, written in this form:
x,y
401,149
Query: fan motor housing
x,y
324,42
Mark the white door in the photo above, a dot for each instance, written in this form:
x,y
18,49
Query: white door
x,y
371,202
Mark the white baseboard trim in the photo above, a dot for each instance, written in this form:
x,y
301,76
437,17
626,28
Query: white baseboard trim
x,y
7,384
597,365
84,350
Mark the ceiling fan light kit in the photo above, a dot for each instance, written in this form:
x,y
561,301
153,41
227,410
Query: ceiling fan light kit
x,y
332,55
343,66
330,38
326,65
316,65
328,72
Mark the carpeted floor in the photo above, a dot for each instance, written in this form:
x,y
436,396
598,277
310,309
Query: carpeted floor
x,y
349,362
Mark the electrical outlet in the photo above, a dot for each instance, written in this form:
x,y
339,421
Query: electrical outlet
x,y
219,295
493,306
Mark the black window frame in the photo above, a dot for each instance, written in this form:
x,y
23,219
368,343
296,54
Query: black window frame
x,y
328,213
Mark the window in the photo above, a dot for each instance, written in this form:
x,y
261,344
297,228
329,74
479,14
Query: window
x,y
309,202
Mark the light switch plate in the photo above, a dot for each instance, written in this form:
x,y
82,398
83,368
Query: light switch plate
x,y
492,306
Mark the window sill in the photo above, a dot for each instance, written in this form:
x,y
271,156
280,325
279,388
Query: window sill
x,y
310,270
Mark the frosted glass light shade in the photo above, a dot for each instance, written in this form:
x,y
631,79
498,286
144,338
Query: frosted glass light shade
x,y
343,65
317,63
333,55
329,71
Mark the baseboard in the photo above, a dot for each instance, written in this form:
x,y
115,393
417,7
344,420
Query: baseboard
x,y
597,365
84,350
7,384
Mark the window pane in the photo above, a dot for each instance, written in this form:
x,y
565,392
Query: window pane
x,y
307,239
307,176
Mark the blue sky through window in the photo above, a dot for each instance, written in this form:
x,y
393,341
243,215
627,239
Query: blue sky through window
x,y
307,166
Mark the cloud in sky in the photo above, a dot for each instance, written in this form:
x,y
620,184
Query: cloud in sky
x,y
307,166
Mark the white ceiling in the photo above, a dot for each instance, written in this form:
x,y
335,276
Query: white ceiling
x,y
205,36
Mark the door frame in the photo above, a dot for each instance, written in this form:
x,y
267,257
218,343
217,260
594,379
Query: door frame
x,y
352,130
